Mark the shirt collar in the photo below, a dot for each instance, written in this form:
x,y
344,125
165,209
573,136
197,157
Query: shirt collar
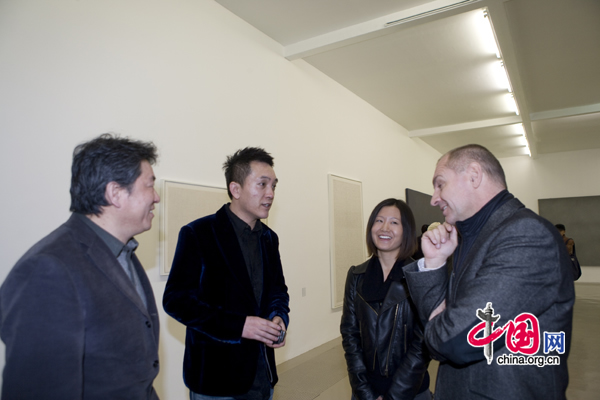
x,y
241,226
114,245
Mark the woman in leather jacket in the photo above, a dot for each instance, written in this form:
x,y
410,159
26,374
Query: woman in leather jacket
x,y
382,337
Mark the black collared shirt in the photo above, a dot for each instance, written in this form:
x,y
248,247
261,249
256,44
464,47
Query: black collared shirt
x,y
249,240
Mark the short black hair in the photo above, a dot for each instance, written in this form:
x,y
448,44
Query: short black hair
x,y
409,236
105,159
458,159
560,227
237,166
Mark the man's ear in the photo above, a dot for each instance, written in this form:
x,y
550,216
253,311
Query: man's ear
x,y
114,194
475,174
235,189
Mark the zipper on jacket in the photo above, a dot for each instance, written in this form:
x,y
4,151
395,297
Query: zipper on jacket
x,y
377,314
405,332
367,303
374,359
387,364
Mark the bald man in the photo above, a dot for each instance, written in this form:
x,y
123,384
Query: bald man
x,y
499,321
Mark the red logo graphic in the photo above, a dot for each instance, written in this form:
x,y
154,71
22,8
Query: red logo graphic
x,y
522,334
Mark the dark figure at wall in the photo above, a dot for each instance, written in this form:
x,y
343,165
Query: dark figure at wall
x,y
570,243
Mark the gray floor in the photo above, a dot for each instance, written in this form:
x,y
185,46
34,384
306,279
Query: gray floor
x,y
321,373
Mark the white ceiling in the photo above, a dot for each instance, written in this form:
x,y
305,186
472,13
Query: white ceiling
x,y
432,72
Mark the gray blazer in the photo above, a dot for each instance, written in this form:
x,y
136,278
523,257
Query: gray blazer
x,y
74,325
520,264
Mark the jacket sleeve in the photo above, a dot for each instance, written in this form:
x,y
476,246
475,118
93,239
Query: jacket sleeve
x,y
409,375
42,325
427,288
185,300
351,341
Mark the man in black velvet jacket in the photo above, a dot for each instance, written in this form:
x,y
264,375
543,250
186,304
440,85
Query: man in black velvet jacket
x,y
505,256
226,285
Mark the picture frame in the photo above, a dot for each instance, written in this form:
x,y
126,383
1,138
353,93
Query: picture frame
x,y
346,232
183,203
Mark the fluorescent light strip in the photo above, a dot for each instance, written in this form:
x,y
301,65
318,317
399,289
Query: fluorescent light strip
x,y
505,78
431,12
512,97
490,35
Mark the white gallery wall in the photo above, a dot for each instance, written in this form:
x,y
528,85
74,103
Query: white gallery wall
x,y
566,174
201,83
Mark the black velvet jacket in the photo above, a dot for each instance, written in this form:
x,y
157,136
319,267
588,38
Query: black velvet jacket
x,y
209,291
390,340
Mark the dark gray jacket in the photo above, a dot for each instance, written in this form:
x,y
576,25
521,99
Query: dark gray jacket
x,y
519,263
74,325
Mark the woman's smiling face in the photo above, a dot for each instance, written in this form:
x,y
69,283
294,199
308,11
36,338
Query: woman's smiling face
x,y
387,230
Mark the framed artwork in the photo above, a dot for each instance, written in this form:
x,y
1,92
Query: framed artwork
x,y
346,232
183,203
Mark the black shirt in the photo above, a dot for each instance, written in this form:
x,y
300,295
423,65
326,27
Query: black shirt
x,y
249,240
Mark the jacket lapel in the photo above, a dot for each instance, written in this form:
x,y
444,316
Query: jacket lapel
x,y
397,292
395,295
101,257
151,309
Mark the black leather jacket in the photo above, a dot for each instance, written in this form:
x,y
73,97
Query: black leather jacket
x,y
390,340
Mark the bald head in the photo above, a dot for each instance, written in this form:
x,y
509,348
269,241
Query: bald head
x,y
460,158
465,180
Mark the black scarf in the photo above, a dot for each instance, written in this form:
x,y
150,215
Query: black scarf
x,y
374,289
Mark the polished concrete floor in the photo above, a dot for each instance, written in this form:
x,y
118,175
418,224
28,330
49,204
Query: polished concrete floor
x,y
320,374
